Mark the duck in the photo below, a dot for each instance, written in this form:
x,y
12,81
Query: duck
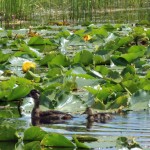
x,y
97,117
46,117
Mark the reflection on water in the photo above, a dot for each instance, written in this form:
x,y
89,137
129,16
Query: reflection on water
x,y
133,124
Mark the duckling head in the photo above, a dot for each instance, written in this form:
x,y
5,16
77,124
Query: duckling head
x,y
88,111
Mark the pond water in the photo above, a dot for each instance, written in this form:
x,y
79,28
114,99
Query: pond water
x,y
134,124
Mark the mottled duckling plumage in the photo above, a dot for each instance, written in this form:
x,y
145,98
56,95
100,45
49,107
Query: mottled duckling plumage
x,y
49,116
97,117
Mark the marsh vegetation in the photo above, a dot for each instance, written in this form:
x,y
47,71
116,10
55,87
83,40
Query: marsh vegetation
x,y
75,64
41,12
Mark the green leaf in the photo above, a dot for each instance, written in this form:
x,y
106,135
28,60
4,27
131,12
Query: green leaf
x,y
100,31
56,140
98,104
3,41
97,59
60,59
133,54
114,76
6,87
85,138
137,49
8,133
124,40
148,75
133,85
129,69
19,92
79,144
91,90
32,76
3,57
84,57
122,142
103,93
35,145
48,58
63,33
36,40
34,134
140,100
19,145
26,49
103,70
120,101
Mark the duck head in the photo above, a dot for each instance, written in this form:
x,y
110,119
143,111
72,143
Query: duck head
x,y
35,94
88,111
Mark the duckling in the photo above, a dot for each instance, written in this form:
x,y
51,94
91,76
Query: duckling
x,y
97,117
45,117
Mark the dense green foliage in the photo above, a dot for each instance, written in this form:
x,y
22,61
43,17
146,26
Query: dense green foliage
x,y
107,69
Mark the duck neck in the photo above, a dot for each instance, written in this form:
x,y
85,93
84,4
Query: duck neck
x,y
36,104
90,113
36,109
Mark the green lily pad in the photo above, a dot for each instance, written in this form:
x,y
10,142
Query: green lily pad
x,y
120,101
60,59
84,138
140,100
79,144
124,142
32,76
34,134
4,57
35,145
37,40
56,140
18,92
48,58
84,57
8,133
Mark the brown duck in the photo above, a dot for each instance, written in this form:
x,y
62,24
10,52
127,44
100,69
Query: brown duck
x,y
97,117
46,117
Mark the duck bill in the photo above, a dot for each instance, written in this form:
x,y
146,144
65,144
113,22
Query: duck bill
x,y
83,113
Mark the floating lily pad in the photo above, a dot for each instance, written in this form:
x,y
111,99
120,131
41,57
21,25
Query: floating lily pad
x,y
56,140
79,144
35,145
8,133
140,100
34,134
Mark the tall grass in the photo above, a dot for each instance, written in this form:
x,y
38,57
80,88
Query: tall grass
x,y
75,11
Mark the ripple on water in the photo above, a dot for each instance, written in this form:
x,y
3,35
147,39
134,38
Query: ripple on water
x,y
134,124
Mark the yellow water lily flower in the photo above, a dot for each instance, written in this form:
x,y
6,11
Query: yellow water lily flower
x,y
27,65
87,37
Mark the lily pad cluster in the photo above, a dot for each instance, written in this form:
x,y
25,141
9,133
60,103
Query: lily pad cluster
x,y
103,67
36,138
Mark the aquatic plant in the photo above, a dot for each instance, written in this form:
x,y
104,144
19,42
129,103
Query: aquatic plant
x,y
108,67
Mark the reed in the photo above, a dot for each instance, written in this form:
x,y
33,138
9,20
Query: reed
x,y
76,11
